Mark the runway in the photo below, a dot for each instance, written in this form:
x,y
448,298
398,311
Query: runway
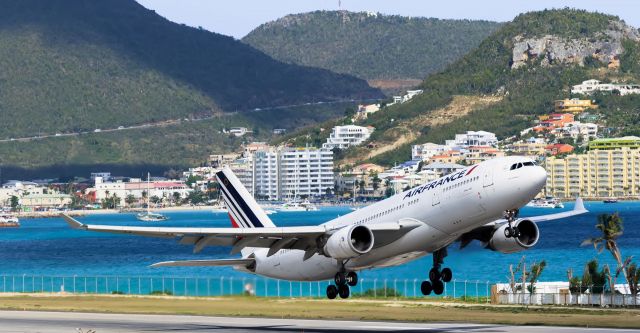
x,y
70,322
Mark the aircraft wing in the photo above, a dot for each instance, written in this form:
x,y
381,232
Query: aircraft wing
x,y
207,262
274,238
577,210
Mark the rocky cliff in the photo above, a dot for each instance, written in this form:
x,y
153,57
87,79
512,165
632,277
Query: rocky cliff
x,y
605,47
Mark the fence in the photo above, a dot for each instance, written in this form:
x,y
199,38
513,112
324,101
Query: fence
x,y
227,286
586,299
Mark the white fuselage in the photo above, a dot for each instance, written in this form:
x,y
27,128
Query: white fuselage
x,y
447,208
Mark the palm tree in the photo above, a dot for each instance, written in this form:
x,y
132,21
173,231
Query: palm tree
x,y
610,225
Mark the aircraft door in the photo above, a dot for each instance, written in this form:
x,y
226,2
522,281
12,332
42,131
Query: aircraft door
x,y
435,199
487,178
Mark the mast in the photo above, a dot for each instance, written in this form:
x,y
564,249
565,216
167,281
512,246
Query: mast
x,y
148,177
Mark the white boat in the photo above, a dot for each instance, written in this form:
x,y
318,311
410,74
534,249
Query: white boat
x,y
148,216
151,217
295,206
8,221
548,202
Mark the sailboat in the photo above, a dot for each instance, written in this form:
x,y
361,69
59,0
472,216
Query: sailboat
x,y
149,216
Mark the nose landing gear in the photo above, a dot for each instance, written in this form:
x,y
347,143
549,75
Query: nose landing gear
x,y
511,231
343,282
437,277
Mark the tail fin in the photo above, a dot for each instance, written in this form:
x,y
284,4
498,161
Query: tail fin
x,y
243,209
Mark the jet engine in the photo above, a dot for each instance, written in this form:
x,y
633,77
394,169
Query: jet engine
x,y
349,242
529,235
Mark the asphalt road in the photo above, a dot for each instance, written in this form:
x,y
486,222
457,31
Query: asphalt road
x,y
68,322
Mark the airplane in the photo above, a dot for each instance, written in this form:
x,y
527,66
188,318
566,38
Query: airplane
x,y
480,202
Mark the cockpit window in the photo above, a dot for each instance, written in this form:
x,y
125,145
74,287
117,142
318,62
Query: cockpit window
x,y
528,164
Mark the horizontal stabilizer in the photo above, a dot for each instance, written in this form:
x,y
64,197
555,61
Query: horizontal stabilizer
x,y
205,262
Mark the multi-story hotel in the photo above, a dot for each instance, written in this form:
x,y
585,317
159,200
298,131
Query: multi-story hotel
x,y
286,173
610,172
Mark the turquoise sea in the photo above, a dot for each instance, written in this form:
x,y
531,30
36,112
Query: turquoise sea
x,y
47,247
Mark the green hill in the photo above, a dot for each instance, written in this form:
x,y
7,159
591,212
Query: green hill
x,y
83,64
367,45
69,66
512,77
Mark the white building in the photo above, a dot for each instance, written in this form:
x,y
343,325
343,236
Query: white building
x,y
575,129
472,138
238,131
590,86
427,150
136,187
364,111
406,97
343,137
286,173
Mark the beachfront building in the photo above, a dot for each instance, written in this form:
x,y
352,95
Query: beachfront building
x,y
610,172
588,87
138,188
285,173
33,202
343,137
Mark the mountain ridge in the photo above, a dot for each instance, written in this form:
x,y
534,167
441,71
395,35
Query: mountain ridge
x,y
369,45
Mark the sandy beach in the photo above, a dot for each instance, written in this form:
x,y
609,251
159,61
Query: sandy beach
x,y
84,212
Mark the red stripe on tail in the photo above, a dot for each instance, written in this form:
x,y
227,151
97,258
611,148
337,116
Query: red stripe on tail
x,y
233,222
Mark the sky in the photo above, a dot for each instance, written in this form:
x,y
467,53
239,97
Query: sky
x,y
238,17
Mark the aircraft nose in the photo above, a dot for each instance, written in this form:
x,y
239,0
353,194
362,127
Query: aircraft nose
x,y
538,177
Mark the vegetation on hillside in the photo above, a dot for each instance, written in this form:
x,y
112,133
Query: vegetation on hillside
x,y
370,46
70,64
527,92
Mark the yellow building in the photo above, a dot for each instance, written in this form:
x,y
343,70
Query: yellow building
x,y
574,105
598,173
632,142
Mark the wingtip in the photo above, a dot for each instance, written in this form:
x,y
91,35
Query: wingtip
x,y
73,223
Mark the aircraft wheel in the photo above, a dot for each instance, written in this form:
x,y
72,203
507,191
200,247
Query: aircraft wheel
x,y
340,279
446,274
508,232
343,291
352,279
426,288
438,287
434,274
332,291
516,232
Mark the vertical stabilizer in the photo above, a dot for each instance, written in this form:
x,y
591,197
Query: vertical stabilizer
x,y
243,209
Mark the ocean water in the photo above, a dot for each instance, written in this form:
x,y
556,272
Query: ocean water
x,y
48,247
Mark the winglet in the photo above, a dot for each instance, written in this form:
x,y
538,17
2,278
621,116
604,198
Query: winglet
x,y
73,223
579,206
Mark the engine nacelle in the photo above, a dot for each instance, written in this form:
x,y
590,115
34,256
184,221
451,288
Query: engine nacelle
x,y
349,242
529,235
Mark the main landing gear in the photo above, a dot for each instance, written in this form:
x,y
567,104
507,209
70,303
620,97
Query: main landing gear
x,y
343,281
437,277
510,216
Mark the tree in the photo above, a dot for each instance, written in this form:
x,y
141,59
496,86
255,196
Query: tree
x,y
633,276
610,226
155,199
15,202
176,197
534,274
513,274
130,199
